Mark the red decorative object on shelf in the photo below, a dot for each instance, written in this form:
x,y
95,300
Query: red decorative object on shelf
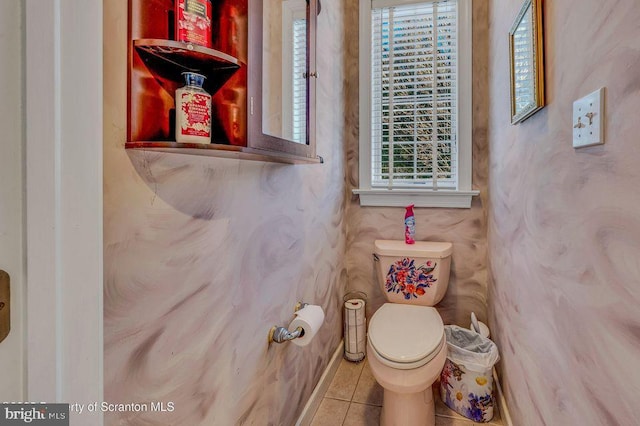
x,y
193,22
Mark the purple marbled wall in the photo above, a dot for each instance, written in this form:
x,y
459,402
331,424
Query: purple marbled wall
x,y
465,228
204,255
564,230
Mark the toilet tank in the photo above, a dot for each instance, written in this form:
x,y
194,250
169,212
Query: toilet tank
x,y
414,274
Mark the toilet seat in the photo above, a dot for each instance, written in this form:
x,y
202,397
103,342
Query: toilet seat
x,y
406,336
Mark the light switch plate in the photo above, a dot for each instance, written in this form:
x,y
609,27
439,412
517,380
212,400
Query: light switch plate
x,y
588,120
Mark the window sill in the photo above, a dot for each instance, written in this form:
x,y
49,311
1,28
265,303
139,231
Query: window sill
x,y
420,198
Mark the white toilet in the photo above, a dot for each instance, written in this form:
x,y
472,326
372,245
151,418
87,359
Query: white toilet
x,y
405,340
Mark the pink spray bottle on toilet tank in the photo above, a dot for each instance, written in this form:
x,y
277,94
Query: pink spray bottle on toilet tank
x,y
409,226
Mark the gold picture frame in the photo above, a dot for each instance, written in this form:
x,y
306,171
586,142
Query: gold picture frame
x,y
526,60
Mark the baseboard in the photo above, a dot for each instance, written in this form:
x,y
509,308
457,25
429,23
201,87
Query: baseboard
x,y
502,402
315,399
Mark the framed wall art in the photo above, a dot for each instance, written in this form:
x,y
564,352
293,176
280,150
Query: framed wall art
x,y
526,58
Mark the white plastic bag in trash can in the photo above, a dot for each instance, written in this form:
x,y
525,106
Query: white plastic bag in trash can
x,y
466,382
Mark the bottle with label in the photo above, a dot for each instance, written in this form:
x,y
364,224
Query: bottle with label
x,y
409,225
193,22
193,110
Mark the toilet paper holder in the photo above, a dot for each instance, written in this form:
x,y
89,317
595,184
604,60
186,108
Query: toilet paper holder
x,y
281,334
355,328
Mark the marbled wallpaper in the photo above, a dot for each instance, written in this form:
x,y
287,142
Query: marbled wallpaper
x,y
563,225
204,255
465,228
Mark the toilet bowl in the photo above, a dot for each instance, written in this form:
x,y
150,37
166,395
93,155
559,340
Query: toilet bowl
x,y
406,343
406,362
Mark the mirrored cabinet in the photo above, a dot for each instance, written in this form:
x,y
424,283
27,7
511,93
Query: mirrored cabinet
x,y
258,63
282,97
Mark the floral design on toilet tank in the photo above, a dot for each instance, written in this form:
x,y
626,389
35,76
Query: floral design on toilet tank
x,y
405,277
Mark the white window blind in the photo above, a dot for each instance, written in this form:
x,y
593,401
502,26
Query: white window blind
x,y
414,96
299,81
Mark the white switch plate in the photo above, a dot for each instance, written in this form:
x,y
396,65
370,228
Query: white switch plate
x,y
588,120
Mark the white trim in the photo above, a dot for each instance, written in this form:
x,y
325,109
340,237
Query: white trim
x,y
461,198
12,198
465,99
365,95
64,203
41,166
315,399
420,198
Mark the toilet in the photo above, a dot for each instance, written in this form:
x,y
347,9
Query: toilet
x,y
405,340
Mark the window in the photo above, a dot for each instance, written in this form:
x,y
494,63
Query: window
x,y
415,103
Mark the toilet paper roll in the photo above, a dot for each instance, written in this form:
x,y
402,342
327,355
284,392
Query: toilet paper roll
x,y
358,306
310,318
355,329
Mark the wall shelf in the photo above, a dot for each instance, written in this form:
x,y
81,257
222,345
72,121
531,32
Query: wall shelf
x,y
168,59
222,151
185,56
155,64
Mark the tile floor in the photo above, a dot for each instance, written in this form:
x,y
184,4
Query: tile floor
x,y
355,399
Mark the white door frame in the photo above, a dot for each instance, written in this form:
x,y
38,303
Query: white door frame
x,y
12,211
64,203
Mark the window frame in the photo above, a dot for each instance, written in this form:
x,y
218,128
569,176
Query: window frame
x,y
421,197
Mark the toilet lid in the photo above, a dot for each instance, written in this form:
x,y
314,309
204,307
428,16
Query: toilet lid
x,y
406,334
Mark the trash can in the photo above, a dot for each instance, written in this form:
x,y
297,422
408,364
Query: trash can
x,y
466,382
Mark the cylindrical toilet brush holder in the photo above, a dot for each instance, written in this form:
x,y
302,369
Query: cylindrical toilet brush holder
x,y
355,326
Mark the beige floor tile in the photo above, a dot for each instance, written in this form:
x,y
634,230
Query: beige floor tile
x,y
362,415
355,381
331,412
344,382
368,390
